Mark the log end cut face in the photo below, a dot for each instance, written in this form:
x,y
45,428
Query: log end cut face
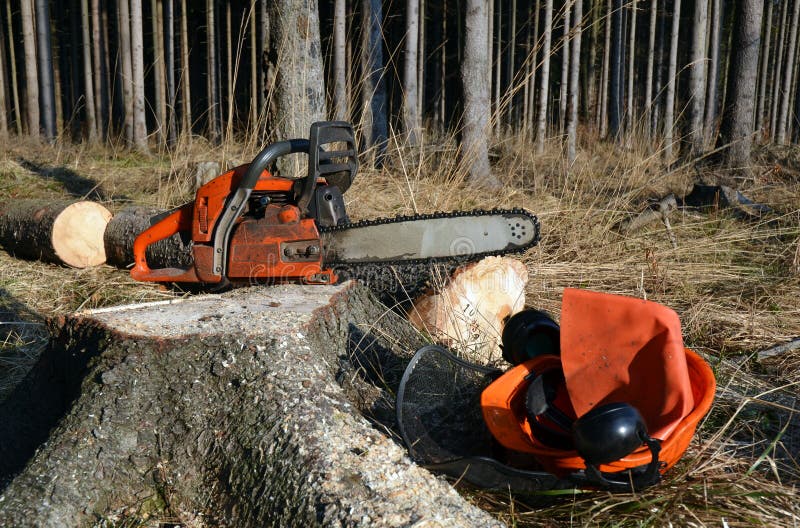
x,y
77,235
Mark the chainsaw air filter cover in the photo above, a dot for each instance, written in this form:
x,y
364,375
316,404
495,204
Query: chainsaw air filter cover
x,y
528,334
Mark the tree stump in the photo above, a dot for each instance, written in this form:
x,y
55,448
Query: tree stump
x,y
68,233
219,410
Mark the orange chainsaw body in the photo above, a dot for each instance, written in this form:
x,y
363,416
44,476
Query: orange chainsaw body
x,y
251,225
276,244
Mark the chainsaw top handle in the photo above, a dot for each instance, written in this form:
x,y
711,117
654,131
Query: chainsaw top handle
x,y
320,162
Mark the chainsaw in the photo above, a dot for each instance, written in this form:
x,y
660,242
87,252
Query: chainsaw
x,y
251,224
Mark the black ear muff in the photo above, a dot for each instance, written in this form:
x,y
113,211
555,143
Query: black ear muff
x,y
528,334
549,425
610,432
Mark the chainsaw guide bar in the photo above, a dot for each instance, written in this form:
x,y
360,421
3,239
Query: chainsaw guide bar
x,y
420,239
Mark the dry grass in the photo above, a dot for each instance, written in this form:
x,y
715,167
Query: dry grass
x,y
735,285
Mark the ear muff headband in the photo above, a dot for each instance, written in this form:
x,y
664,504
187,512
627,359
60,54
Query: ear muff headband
x,y
549,424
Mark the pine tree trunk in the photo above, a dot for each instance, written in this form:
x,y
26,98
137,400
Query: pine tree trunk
x,y
31,75
421,62
591,67
159,72
88,68
651,52
615,72
13,64
672,71
299,82
229,71
659,95
574,84
604,76
780,51
534,68
761,101
511,66
185,80
477,104
791,60
373,92
564,85
127,68
541,120
697,79
99,50
137,64
211,73
47,88
169,63
713,72
3,114
340,109
498,65
254,46
631,113
736,133
410,88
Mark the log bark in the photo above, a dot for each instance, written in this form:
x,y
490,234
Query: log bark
x,y
221,410
123,229
65,233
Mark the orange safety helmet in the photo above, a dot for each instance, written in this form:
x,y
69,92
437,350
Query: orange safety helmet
x,y
623,395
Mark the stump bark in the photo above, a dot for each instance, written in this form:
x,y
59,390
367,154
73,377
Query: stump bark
x,y
122,230
220,411
68,233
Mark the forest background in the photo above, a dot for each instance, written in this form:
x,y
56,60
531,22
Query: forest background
x,y
582,111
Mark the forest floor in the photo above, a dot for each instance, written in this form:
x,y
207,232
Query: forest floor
x,y
734,283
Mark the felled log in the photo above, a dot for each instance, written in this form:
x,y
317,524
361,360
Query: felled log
x,y
220,410
655,211
123,229
68,233
468,312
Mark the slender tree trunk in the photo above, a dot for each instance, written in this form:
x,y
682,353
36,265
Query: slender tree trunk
x,y
421,62
476,95
340,109
564,92
47,91
736,133
13,64
263,43
658,101
534,67
761,101
169,63
255,98
211,58
498,63
697,79
669,111
137,64
615,72
574,84
127,67
3,114
713,71
791,60
604,76
31,75
631,113
229,71
780,50
591,69
511,65
88,68
100,71
299,82
374,90
185,81
159,71
541,120
410,88
651,52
